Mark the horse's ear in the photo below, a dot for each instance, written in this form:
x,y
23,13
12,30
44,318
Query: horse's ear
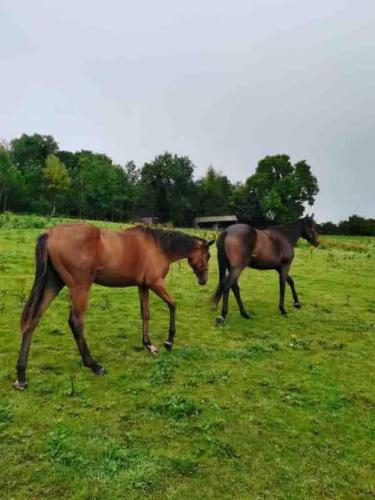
x,y
211,242
312,215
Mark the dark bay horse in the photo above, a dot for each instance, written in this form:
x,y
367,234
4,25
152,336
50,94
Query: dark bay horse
x,y
78,255
241,245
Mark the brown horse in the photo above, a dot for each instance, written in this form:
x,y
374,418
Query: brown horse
x,y
241,245
78,255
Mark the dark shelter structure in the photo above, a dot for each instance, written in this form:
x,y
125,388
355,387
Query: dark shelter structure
x,y
215,222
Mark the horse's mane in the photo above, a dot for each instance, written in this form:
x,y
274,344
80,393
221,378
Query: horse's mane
x,y
292,230
171,242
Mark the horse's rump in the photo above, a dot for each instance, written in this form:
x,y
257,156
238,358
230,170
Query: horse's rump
x,y
73,250
240,241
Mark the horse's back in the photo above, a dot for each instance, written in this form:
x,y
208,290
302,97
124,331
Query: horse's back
x,y
241,231
74,231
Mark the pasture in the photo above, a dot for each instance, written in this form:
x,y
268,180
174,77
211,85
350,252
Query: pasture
x,y
272,407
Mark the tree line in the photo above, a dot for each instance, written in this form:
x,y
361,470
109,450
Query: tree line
x,y
36,176
353,225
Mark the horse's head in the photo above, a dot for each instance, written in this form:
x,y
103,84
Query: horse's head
x,y
309,232
198,259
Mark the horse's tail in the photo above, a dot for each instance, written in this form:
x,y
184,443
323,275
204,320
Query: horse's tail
x,y
223,264
36,295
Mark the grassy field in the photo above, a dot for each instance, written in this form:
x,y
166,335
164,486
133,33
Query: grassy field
x,y
273,407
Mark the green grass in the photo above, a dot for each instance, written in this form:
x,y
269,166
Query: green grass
x,y
272,407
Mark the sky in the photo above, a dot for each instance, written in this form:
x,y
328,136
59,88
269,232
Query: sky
x,y
223,82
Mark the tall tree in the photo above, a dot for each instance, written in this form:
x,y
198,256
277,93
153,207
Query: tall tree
x,y
102,187
10,182
215,193
56,177
134,192
32,149
168,189
277,191
29,153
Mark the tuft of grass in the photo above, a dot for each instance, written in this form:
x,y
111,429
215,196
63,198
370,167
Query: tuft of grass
x,y
184,466
162,370
176,407
64,449
6,415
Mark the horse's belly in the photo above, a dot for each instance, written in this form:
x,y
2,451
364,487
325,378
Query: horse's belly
x,y
257,263
114,279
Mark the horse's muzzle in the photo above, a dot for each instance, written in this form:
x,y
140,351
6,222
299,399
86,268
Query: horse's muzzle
x,y
202,278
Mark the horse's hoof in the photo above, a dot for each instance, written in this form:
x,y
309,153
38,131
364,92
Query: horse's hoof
x,y
245,315
20,386
220,321
168,345
153,349
98,369
297,305
283,312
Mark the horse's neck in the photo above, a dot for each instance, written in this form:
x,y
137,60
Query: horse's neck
x,y
177,256
292,231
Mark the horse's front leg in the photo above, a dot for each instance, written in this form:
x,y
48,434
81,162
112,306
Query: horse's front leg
x,y
283,273
159,289
145,313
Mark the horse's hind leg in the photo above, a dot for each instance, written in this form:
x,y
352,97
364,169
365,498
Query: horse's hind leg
x,y
79,297
30,321
296,302
224,308
231,278
236,292
143,292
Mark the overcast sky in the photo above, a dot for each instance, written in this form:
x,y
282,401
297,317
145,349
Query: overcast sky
x,y
224,82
